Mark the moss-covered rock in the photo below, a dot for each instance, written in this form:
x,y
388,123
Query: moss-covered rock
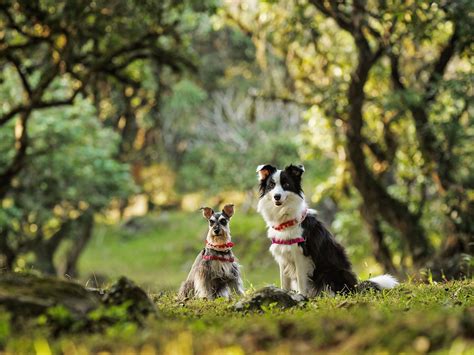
x,y
125,291
29,295
269,296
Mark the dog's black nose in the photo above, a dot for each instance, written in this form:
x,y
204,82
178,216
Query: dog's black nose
x,y
216,230
277,197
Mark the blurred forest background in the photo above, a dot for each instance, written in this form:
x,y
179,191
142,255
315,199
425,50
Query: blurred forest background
x,y
120,118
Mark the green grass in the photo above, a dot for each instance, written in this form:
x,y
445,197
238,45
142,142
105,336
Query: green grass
x,y
159,254
413,318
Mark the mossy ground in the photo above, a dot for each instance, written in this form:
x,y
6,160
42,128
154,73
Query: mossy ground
x,y
157,253
414,318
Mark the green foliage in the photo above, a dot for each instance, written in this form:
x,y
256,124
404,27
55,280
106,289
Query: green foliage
x,y
110,314
72,167
415,130
74,163
5,329
232,142
58,317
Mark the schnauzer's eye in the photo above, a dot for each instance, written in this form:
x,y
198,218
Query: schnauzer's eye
x,y
223,222
211,222
271,184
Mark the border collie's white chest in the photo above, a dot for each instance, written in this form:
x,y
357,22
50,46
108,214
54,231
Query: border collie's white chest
x,y
286,255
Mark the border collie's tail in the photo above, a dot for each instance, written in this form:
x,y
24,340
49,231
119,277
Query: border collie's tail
x,y
381,282
384,281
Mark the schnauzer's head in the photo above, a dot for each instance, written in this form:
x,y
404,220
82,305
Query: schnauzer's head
x,y
219,221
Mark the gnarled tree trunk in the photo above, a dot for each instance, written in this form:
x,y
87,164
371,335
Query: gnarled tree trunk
x,y
86,226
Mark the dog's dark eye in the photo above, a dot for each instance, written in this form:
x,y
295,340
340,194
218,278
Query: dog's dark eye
x,y
271,184
286,185
223,222
211,222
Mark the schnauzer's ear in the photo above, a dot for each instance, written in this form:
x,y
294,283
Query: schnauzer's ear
x,y
265,170
228,210
207,212
295,170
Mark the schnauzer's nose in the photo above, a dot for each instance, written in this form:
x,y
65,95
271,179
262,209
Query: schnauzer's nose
x,y
217,230
277,197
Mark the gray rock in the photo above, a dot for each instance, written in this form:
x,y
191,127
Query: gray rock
x,y
269,296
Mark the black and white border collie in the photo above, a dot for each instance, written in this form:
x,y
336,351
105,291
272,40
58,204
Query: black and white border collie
x,y
311,260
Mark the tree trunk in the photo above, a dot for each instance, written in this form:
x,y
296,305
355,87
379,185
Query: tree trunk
x,y
79,244
44,259
376,198
7,254
381,252
44,249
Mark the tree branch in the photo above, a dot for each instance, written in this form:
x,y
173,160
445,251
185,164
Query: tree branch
x,y
24,79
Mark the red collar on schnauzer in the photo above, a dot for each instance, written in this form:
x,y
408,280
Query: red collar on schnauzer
x,y
216,257
220,246
287,241
291,222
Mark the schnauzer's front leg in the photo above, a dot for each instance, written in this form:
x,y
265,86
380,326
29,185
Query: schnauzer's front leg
x,y
202,288
223,292
237,286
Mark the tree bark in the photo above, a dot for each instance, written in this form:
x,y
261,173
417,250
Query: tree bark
x,y
375,197
79,244
44,249
7,254
381,252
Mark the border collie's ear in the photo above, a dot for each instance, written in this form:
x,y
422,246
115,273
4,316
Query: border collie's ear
x,y
264,171
207,212
228,210
295,170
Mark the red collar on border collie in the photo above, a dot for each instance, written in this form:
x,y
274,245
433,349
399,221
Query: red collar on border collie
x,y
219,258
287,241
291,222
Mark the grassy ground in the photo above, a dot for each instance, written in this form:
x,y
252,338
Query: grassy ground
x,y
157,251
413,318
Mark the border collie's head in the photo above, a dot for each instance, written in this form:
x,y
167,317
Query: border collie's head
x,y
280,186
219,222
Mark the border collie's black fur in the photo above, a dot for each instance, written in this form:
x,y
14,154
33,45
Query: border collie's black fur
x,y
332,268
321,258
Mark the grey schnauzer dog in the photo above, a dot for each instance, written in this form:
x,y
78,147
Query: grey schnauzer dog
x,y
215,272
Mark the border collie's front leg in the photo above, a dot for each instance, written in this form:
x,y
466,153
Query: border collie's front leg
x,y
301,273
285,281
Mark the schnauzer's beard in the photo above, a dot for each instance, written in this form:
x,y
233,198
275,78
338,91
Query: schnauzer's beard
x,y
222,238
